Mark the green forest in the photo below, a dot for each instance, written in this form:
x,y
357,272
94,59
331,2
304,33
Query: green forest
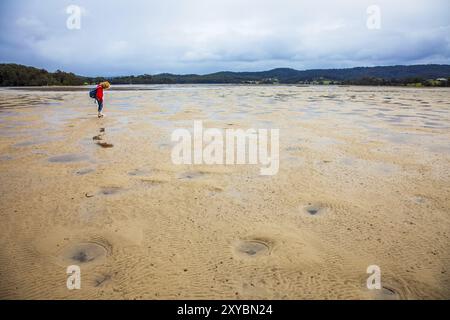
x,y
12,75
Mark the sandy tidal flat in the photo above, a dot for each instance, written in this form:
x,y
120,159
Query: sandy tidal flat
x,y
364,179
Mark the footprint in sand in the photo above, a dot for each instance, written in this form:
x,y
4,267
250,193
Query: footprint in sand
x,y
99,137
105,144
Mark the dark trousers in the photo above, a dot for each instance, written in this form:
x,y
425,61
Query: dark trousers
x,y
100,105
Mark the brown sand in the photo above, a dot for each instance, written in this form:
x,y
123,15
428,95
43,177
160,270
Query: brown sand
x,y
364,179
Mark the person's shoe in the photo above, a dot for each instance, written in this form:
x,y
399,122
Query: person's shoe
x,y
100,114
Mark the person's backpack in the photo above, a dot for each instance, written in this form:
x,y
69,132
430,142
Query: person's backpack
x,y
93,93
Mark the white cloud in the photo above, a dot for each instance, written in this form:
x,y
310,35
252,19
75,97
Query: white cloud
x,y
201,36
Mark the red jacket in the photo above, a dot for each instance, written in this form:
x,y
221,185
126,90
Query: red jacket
x,y
99,93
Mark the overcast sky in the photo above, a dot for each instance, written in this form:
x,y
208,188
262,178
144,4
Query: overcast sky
x,y
202,36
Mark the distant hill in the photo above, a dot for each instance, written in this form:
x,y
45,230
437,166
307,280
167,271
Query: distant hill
x,y
19,75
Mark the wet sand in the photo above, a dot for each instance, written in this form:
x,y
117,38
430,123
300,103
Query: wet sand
x,y
364,179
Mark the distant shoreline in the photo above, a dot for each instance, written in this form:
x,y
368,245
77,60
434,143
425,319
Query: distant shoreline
x,y
431,75
156,87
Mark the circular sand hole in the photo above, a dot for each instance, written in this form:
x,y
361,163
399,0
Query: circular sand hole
x,y
314,209
84,171
110,190
385,293
252,248
388,293
138,172
85,252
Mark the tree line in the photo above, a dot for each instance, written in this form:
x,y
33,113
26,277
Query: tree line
x,y
417,75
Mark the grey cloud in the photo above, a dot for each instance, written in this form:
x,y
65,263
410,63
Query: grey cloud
x,y
202,36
